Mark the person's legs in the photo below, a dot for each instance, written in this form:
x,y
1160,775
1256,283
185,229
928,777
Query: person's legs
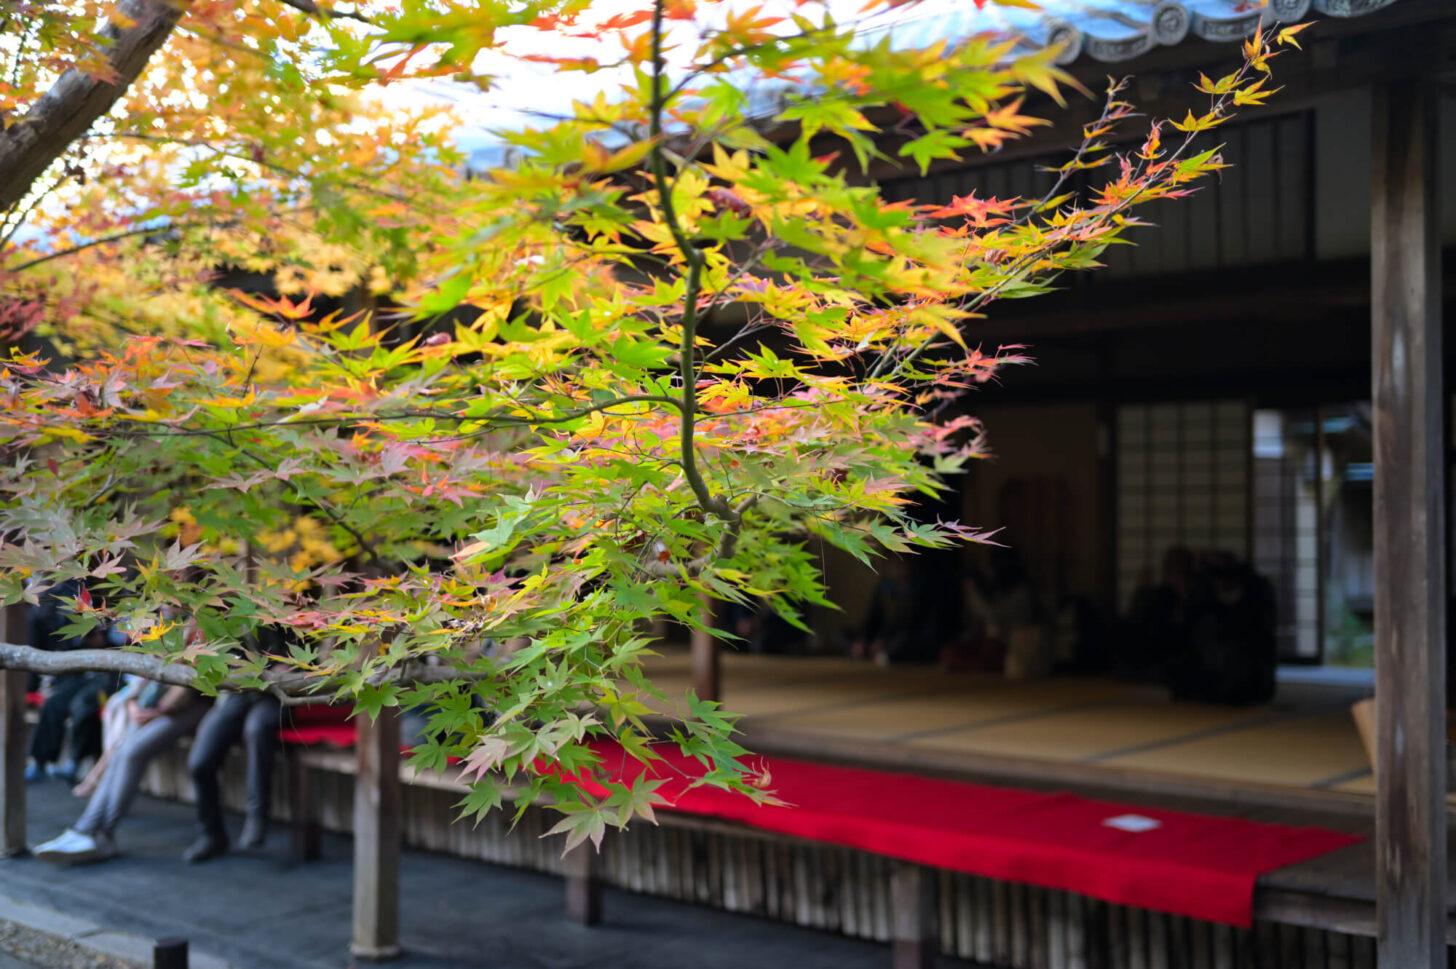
x,y
85,713
115,725
90,838
88,784
218,731
118,787
260,740
50,730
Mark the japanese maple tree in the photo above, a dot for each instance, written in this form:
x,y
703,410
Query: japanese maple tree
x,y
677,338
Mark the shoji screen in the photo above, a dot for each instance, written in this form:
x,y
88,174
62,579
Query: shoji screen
x,y
1182,479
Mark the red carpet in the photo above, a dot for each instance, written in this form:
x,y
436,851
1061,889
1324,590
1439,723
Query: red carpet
x,y
1188,864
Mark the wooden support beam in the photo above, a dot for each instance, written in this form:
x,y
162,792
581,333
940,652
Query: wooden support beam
x,y
915,939
583,885
1410,603
707,667
13,739
307,832
377,836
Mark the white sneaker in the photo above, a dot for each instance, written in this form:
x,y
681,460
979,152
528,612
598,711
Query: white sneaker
x,y
75,848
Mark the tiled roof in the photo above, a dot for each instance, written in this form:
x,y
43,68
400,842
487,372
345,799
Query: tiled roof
x,y
1101,30
1118,30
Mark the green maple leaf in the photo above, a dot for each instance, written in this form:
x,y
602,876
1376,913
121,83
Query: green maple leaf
x,y
581,824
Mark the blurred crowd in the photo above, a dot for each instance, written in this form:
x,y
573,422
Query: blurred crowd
x,y
1204,625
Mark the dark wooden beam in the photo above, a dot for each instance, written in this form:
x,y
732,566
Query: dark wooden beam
x,y
583,885
914,941
706,663
1093,304
1410,596
13,737
377,838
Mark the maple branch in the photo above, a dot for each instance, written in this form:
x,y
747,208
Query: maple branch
x,y
20,215
509,420
283,683
584,411
329,511
327,13
252,158
1101,214
77,100
50,663
61,253
728,542
706,499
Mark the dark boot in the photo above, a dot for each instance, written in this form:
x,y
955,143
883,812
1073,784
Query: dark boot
x,y
255,832
205,848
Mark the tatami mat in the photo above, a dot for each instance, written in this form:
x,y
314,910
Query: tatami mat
x,y
773,701
1364,784
1084,721
1303,751
1088,731
953,704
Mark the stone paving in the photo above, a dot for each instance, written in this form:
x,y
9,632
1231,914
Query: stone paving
x,y
256,911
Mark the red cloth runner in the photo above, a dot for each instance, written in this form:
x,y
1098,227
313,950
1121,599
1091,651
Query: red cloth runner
x,y
1185,864
1169,861
319,723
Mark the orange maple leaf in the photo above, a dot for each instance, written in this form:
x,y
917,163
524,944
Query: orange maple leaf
x,y
624,20
282,306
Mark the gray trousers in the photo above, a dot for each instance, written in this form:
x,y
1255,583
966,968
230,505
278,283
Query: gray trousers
x,y
252,718
123,774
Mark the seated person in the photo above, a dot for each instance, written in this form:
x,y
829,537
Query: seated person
x,y
74,698
160,716
116,723
1079,643
1157,623
1231,652
1000,608
901,624
254,719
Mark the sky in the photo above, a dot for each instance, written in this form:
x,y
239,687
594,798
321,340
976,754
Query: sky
x,y
526,87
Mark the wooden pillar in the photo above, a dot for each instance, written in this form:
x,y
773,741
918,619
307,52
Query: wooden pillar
x,y
707,682
914,940
583,885
1410,616
13,738
377,838
307,832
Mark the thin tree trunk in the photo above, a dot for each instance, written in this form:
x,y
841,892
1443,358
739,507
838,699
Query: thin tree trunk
x,y
72,105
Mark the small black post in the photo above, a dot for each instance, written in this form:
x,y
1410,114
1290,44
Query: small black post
x,y
169,954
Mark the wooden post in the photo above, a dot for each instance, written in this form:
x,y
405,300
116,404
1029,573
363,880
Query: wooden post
x,y
377,838
583,885
1410,617
307,833
170,953
706,664
13,737
915,940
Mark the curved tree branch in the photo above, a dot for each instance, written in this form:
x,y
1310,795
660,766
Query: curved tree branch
x,y
95,661
284,683
77,99
327,13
